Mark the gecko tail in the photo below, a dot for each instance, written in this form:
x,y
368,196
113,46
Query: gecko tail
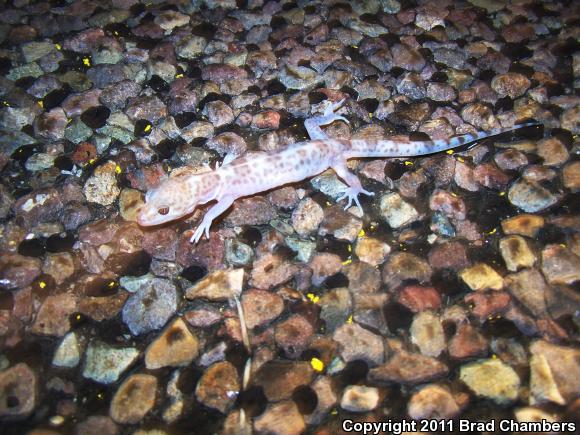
x,y
395,148
454,142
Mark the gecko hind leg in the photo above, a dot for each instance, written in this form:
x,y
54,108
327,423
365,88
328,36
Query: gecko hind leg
x,y
313,124
222,205
354,186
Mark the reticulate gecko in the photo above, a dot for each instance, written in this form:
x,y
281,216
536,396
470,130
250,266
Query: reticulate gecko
x,y
178,196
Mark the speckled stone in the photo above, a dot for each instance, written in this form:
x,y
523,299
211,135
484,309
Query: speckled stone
x,y
134,399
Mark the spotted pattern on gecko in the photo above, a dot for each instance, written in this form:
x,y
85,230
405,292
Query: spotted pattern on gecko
x,y
179,196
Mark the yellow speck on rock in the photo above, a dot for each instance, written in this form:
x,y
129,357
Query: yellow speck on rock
x,y
501,193
42,284
147,128
178,76
408,163
86,61
317,365
117,169
347,262
362,233
313,298
349,320
58,46
450,152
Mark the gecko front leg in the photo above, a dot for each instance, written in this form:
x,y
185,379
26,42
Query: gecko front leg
x,y
222,205
354,186
313,124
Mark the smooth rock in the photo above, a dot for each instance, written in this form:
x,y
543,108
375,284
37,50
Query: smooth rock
x,y
218,286
219,386
491,379
105,364
176,346
134,399
358,398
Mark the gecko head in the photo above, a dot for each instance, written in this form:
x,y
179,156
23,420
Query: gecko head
x,y
169,201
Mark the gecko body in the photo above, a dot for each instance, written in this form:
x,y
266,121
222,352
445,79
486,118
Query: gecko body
x,y
179,196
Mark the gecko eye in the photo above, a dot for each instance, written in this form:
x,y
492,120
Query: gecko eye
x,y
163,210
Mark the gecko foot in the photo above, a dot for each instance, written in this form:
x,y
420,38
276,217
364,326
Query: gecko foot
x,y
198,234
352,194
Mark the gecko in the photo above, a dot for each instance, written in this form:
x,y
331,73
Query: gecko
x,y
178,196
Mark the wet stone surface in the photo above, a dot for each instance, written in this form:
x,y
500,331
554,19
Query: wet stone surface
x,y
451,293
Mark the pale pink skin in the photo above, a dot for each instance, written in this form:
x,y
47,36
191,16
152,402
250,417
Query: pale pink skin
x,y
179,196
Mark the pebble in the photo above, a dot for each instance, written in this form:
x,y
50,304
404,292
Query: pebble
x,y
510,159
516,253
481,276
523,224
271,270
433,402
530,196
293,335
105,364
151,306
554,372
130,201
226,143
450,205
306,217
261,307
418,298
427,333
408,368
467,343
358,398
401,266
68,352
559,265
341,224
97,424
19,391
101,187
396,211
553,151
327,398
530,289
221,73
571,176
251,211
324,265
336,306
357,343
53,317
218,286
491,379
372,251
176,346
280,378
219,387
407,58
17,270
134,399
510,84
448,255
218,113
281,418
